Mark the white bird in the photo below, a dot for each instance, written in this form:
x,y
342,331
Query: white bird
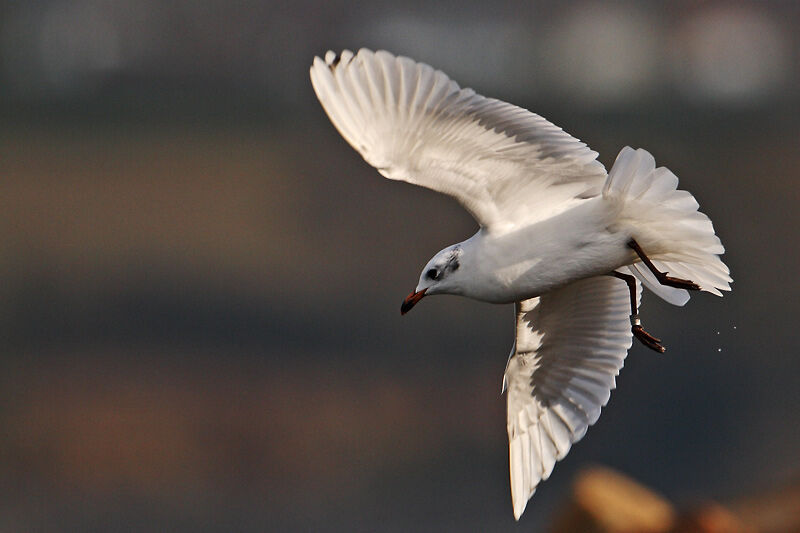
x,y
559,237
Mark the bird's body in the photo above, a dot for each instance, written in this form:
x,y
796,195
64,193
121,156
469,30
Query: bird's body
x,y
580,242
566,242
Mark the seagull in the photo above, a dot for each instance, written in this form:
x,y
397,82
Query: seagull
x,y
569,244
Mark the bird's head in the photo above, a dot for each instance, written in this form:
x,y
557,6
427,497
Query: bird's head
x,y
440,276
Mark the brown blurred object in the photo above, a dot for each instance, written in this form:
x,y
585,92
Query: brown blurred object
x,y
609,502
711,518
605,501
775,511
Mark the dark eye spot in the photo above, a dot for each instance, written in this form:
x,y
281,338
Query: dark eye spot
x,y
432,274
454,265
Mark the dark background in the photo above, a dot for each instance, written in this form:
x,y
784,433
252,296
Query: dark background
x,y
200,281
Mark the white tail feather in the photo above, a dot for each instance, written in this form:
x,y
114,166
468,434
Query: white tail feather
x,y
665,221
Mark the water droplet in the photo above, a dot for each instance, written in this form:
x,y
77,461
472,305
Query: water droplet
x,y
734,327
718,333
719,349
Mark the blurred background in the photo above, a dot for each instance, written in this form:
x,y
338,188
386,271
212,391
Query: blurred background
x,y
200,281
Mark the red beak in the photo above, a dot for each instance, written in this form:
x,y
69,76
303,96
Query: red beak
x,y
411,300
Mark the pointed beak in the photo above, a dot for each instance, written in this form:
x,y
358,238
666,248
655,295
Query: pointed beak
x,y
411,300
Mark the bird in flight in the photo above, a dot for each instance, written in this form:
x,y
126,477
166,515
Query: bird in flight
x,y
569,244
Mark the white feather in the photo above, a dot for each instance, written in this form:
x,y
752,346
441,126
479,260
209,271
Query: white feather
x,y
415,124
665,221
553,397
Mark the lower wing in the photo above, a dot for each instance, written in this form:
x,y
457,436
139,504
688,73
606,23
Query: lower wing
x,y
570,345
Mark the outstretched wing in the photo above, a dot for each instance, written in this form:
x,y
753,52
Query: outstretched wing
x,y
570,345
504,164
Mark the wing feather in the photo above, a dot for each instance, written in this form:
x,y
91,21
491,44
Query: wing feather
x,y
570,345
505,165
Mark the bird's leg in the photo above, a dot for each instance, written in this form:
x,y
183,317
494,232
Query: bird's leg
x,y
662,276
636,323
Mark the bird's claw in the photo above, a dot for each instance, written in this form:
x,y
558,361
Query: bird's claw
x,y
648,340
678,283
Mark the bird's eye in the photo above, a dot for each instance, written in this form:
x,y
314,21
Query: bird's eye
x,y
432,273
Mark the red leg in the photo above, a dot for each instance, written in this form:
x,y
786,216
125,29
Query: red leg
x,y
662,277
636,324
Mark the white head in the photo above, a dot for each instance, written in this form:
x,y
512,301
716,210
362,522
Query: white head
x,y
442,275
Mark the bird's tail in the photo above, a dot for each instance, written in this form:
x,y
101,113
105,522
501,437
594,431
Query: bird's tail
x,y
666,223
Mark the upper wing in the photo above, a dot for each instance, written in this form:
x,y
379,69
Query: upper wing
x,y
504,164
570,345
